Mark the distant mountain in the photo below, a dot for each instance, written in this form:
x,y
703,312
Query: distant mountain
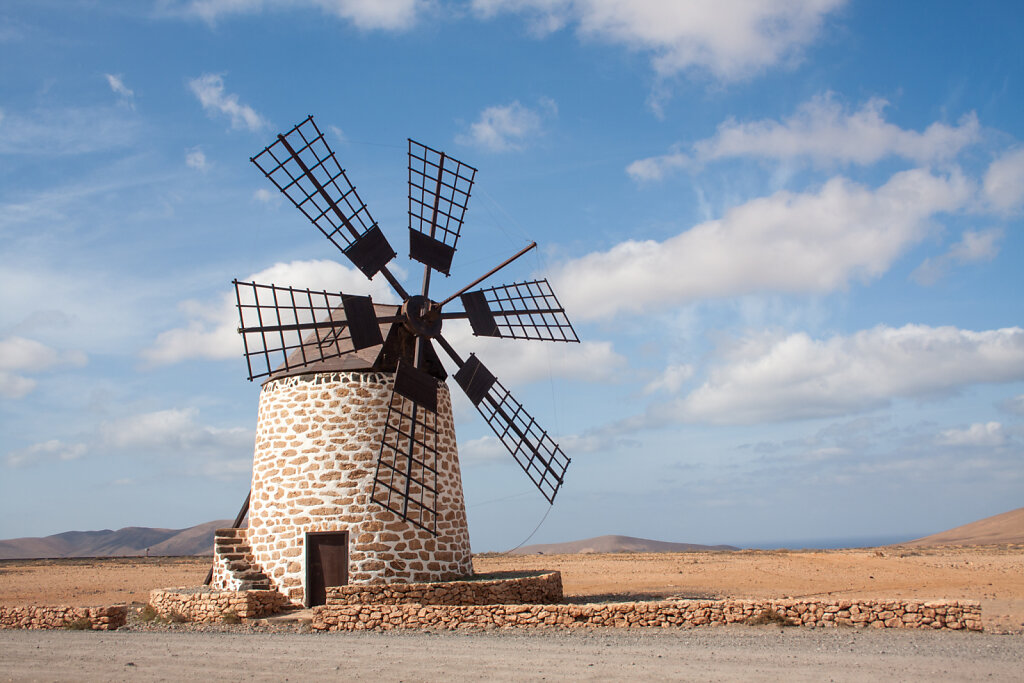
x,y
1005,528
132,540
615,544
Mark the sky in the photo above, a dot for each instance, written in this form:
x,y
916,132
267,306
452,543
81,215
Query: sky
x,y
789,236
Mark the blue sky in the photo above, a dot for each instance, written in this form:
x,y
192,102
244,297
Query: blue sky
x,y
788,234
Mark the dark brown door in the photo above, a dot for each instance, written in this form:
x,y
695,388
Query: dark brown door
x,y
326,564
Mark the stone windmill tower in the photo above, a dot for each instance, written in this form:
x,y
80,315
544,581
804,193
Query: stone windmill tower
x,y
356,474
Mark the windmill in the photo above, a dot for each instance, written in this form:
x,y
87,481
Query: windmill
x,y
293,335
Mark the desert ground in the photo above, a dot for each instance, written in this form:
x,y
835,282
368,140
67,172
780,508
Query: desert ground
x,y
993,575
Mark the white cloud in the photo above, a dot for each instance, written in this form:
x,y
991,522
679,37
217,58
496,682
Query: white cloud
x,y
117,85
979,434
974,247
15,386
787,242
484,449
1004,181
173,429
20,356
490,449
264,196
1013,405
822,131
730,39
196,158
507,128
770,378
19,353
225,468
517,362
47,450
656,168
69,131
671,380
211,331
394,15
209,89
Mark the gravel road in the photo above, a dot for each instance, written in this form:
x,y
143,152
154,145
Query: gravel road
x,y
730,653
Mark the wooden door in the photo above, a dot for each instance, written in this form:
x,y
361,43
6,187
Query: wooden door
x,y
326,564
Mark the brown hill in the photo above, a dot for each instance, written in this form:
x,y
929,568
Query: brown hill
x,y
133,540
615,544
1005,528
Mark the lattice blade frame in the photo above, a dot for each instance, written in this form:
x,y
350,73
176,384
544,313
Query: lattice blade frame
x,y
439,189
539,456
303,166
406,478
286,327
521,310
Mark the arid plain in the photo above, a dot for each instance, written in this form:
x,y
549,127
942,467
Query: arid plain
x,y
991,574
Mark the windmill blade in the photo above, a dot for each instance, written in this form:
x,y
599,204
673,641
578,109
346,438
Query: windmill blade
x,y
540,457
522,310
439,188
284,328
406,478
416,385
302,165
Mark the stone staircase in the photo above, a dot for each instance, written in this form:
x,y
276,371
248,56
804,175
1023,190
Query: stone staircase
x,y
233,558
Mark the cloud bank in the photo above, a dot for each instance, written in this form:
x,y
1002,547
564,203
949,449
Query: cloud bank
x,y
787,242
728,39
772,378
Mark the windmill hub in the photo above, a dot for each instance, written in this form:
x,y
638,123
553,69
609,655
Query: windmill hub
x,y
421,316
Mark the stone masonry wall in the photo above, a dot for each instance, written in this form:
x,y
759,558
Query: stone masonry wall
x,y
37,617
952,615
317,443
537,589
208,605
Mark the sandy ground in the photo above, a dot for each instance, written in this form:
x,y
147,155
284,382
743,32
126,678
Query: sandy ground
x,y
993,575
712,654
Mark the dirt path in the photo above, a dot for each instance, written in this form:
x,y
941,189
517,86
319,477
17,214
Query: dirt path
x,y
728,653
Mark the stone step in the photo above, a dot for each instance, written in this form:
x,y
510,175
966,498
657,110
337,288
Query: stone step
x,y
231,546
254,585
228,533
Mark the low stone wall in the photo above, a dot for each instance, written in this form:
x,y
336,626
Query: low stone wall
x,y
35,617
517,590
953,615
208,605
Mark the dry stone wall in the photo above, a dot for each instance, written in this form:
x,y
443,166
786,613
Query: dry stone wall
x,y
209,605
37,617
317,442
952,615
537,589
